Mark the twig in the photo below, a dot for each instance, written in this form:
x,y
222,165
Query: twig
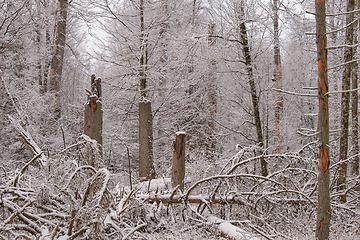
x,y
129,160
24,168
15,214
134,230
28,140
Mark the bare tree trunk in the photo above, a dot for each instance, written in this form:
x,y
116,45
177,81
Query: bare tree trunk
x,y
324,208
58,57
345,98
143,52
212,96
354,108
146,168
178,167
93,114
254,97
277,78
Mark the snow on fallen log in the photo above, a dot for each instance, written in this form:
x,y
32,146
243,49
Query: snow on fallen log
x,y
230,231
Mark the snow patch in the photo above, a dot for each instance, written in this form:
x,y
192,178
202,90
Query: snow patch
x,y
180,133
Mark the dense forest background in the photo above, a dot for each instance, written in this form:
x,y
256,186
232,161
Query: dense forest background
x,y
241,78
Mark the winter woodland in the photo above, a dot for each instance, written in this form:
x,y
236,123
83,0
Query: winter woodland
x,y
179,119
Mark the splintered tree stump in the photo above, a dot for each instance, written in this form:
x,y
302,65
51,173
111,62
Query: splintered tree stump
x,y
178,167
146,168
93,114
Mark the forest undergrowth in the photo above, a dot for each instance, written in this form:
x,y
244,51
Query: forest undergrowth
x,y
67,198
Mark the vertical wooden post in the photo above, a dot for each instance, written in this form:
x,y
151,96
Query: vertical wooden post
x,y
93,114
178,167
146,168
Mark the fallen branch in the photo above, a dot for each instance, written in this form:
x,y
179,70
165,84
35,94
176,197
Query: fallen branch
x,y
134,230
28,140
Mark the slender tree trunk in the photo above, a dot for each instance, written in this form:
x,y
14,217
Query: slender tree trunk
x,y
143,52
345,98
277,78
212,96
354,107
58,57
324,208
254,97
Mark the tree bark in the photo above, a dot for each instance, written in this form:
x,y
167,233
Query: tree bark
x,y
146,168
212,96
354,107
93,114
277,78
345,98
58,57
324,208
254,97
143,52
178,167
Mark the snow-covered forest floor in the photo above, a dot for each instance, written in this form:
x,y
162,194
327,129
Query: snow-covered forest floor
x,y
64,198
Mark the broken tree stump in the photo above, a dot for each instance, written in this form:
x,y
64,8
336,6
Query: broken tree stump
x,y
93,114
146,168
178,166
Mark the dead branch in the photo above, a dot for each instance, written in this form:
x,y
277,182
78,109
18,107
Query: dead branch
x,y
134,230
25,167
28,140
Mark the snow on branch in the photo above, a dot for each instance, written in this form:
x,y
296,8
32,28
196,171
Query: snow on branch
x,y
28,140
295,93
343,64
343,91
342,46
344,27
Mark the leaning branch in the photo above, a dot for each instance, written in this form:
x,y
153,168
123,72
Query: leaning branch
x,y
28,140
25,167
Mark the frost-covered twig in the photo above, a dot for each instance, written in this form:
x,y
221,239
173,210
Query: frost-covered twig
x,y
24,168
14,215
295,93
134,230
12,99
28,140
76,171
186,195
